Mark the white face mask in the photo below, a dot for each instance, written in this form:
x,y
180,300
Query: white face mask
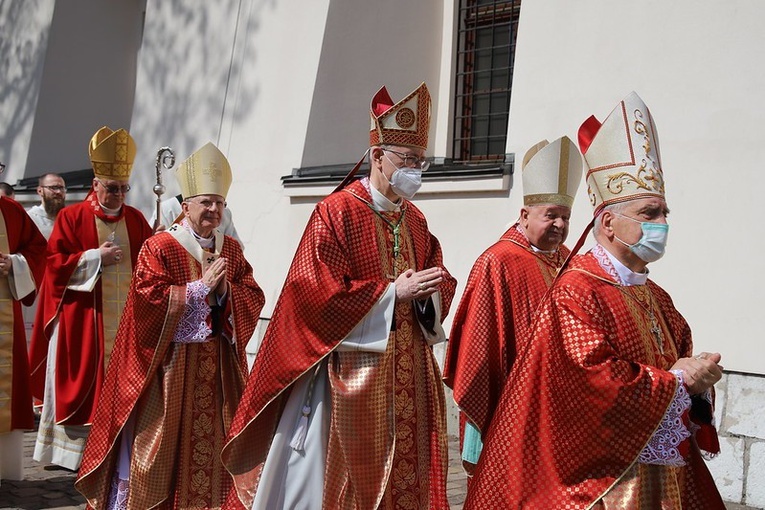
x,y
652,244
405,181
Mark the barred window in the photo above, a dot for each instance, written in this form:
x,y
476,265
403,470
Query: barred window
x,y
485,57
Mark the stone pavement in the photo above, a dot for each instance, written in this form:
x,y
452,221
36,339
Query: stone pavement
x,y
51,487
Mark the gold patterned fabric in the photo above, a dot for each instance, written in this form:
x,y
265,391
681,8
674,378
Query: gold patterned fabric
x,y
6,340
584,400
181,396
112,154
406,122
391,430
369,464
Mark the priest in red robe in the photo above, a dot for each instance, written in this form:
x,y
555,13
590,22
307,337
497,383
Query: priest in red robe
x,y
178,368
91,255
493,320
22,262
608,407
344,407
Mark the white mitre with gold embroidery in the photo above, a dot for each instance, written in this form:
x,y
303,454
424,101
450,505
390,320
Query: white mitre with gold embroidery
x,y
622,155
551,173
206,172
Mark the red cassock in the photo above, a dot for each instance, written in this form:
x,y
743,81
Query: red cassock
x,y
182,395
493,321
342,267
80,354
585,398
23,238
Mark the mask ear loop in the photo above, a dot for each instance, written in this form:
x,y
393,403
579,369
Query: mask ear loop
x,y
349,177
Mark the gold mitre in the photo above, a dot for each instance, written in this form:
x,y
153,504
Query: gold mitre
x,y
404,123
206,172
551,173
112,154
622,155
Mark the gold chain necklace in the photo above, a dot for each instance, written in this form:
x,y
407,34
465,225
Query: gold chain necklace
x,y
395,228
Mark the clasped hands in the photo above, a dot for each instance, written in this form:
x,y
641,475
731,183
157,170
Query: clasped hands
x,y
700,372
418,284
215,276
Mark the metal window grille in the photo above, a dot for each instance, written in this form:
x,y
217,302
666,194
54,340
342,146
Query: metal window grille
x,y
485,58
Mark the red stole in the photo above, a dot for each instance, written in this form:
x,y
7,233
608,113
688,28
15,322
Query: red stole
x,y
335,278
25,239
584,398
493,321
80,356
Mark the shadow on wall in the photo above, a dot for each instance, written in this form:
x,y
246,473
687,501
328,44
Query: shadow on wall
x,y
22,51
189,85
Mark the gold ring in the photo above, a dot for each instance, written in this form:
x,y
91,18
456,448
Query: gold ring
x,y
421,286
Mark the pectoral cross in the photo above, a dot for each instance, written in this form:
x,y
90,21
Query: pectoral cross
x,y
396,245
656,331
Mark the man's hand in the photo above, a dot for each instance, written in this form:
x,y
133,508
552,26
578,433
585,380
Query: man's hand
x,y
700,372
418,285
110,253
215,276
6,264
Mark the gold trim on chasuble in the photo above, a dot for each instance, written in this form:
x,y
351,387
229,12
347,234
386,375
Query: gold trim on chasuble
x,y
660,352
6,340
115,281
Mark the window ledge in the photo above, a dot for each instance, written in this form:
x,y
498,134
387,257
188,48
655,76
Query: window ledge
x,y
439,179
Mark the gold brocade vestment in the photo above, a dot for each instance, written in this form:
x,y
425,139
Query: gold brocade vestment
x,y
387,439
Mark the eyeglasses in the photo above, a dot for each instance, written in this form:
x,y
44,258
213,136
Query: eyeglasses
x,y
411,160
2,167
208,204
113,189
59,189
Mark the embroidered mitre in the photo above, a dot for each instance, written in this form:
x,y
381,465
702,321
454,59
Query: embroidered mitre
x,y
404,123
112,154
622,155
206,172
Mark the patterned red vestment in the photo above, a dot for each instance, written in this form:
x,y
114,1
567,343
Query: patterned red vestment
x,y
80,354
182,396
388,444
21,237
493,322
583,401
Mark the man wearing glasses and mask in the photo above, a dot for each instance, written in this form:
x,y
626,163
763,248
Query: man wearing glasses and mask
x,y
91,255
344,407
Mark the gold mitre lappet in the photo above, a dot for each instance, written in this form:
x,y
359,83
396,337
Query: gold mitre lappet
x,y
404,123
622,155
551,173
206,172
112,154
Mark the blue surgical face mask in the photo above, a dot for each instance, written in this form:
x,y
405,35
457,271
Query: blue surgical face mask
x,y
652,244
405,181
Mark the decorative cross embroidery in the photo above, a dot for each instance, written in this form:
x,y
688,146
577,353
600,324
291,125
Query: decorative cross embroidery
x,y
212,171
210,260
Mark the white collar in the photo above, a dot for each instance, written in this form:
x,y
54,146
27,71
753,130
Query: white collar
x,y
381,202
110,212
627,276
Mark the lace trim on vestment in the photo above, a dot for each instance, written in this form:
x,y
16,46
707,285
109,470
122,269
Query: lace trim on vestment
x,y
662,449
118,496
193,327
605,262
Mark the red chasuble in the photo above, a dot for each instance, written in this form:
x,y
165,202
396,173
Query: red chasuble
x,y
582,402
23,238
342,267
493,322
182,395
80,354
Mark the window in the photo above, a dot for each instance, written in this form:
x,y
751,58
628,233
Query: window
x,y
485,57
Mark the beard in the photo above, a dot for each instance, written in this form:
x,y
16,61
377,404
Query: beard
x,y
53,205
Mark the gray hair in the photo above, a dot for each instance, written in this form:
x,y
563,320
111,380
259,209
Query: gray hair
x,y
613,208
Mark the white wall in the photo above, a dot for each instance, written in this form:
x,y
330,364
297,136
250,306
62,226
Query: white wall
x,y
694,65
